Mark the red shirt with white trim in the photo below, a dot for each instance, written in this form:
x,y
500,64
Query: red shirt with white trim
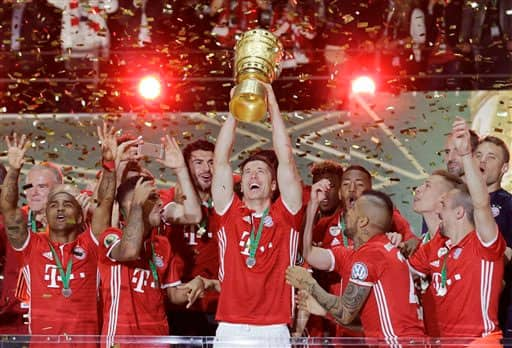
x,y
50,312
258,295
196,251
133,302
391,309
468,307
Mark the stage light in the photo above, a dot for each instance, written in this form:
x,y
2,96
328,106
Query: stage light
x,y
363,85
150,87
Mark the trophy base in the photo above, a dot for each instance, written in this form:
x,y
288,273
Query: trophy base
x,y
249,102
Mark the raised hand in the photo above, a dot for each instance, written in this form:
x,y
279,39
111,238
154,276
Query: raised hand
x,y
16,149
86,203
306,302
319,190
108,138
142,191
461,138
126,151
173,157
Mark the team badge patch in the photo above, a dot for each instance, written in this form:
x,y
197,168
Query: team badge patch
x,y
495,210
110,239
359,271
79,252
268,222
159,261
334,231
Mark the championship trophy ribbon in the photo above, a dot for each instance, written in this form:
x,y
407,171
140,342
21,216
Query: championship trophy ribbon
x,y
257,57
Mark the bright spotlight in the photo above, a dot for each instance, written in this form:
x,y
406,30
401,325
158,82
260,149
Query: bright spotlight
x,y
150,87
363,85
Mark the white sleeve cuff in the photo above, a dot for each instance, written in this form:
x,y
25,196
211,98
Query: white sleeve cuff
x,y
109,251
25,244
488,244
220,213
333,260
171,285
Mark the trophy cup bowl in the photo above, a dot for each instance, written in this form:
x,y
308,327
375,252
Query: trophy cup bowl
x,y
257,57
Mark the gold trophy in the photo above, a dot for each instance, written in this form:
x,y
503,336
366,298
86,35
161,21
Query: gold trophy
x,y
257,57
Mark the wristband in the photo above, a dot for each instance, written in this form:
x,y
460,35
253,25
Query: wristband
x,y
109,165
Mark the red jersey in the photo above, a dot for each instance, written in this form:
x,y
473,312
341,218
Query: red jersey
x,y
195,244
133,301
196,251
257,295
50,312
467,306
391,311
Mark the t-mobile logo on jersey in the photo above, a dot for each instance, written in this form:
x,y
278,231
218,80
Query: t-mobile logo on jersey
x,y
52,275
140,279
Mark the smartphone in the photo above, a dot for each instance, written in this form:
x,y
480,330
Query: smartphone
x,y
151,150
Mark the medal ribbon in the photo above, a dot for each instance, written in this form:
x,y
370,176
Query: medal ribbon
x,y
342,227
64,275
153,266
254,241
444,272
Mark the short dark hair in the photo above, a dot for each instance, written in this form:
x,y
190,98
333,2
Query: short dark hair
x,y
326,167
359,168
3,173
267,156
385,202
128,186
197,145
500,143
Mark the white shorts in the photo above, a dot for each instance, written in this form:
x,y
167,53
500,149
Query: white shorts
x,y
243,335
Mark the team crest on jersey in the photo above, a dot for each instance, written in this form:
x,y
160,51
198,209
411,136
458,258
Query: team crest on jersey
x,y
334,231
110,239
335,241
359,271
268,222
495,209
79,252
158,260
456,253
48,255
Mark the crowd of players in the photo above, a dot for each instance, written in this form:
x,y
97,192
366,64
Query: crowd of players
x,y
256,255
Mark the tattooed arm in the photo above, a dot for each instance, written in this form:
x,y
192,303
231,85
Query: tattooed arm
x,y
16,228
131,241
344,309
102,216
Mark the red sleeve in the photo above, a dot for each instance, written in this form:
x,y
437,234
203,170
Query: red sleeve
x,y
366,268
419,261
340,256
493,251
107,241
167,196
401,225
